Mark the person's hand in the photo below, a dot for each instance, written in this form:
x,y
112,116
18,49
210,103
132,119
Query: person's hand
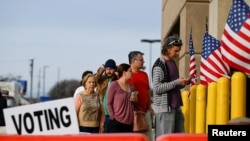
x,y
133,97
151,111
102,66
101,130
188,81
183,81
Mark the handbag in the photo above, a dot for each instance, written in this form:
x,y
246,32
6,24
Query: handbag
x,y
140,122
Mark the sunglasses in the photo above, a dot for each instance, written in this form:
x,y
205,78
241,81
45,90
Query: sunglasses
x,y
175,43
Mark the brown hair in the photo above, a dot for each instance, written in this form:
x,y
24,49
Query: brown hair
x,y
170,42
121,68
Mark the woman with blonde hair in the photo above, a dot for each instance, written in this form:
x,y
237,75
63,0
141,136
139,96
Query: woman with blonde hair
x,y
89,108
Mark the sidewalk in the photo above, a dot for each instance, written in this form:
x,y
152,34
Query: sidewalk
x,y
2,130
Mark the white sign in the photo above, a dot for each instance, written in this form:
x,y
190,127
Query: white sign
x,y
57,117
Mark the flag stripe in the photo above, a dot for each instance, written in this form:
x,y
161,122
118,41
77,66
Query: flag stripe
x,y
245,34
233,51
216,62
235,41
245,31
236,55
206,76
208,67
212,66
237,65
192,63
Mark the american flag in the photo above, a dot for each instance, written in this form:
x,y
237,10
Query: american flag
x,y
235,41
212,66
192,63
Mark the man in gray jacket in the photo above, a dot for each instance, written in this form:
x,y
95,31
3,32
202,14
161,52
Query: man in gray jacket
x,y
167,84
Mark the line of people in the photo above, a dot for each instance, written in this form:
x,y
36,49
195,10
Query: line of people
x,y
104,104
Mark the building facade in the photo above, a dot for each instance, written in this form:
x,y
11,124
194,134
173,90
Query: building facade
x,y
180,16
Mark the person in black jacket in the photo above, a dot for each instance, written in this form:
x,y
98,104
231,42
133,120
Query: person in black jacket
x,y
3,104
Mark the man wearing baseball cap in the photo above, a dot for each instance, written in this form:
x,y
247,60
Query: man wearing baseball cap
x,y
105,74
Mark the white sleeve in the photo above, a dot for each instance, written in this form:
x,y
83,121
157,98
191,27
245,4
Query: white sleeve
x,y
78,90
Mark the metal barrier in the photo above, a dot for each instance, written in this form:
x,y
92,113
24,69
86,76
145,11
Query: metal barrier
x,y
87,137
200,109
238,96
183,137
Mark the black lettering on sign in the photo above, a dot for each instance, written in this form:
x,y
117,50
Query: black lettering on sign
x,y
53,118
19,126
46,119
38,115
68,122
25,119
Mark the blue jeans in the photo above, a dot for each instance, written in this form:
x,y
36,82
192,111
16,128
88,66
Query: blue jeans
x,y
106,124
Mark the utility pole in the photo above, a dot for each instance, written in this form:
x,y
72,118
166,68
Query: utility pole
x,y
150,53
31,77
44,68
39,85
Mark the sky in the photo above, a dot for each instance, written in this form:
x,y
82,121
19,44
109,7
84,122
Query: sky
x,y
71,36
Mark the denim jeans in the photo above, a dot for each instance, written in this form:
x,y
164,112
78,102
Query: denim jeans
x,y
106,124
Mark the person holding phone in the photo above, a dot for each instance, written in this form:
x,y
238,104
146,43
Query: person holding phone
x,y
167,83
121,100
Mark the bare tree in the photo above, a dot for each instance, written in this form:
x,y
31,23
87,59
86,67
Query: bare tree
x,y
63,89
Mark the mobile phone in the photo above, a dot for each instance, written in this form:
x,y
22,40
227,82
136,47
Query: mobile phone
x,y
192,78
133,94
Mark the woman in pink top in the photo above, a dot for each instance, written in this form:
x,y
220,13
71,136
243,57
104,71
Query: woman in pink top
x,y
120,102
